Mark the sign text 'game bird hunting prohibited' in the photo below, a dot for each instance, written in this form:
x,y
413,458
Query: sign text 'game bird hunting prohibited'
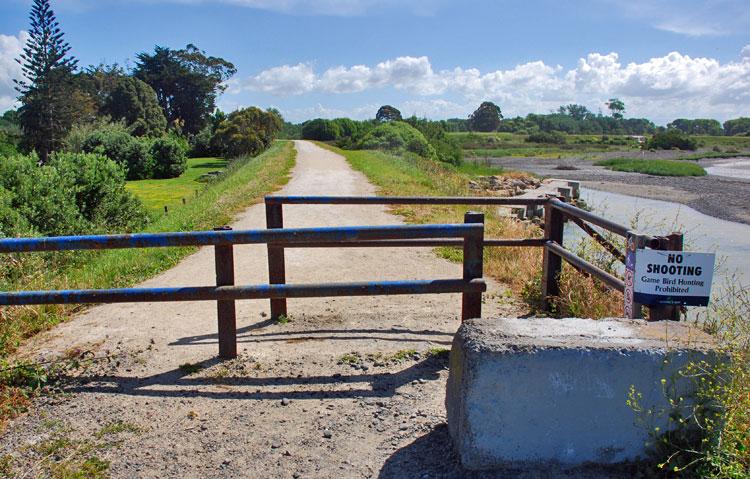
x,y
669,277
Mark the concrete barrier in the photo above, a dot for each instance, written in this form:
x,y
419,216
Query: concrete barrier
x,y
540,391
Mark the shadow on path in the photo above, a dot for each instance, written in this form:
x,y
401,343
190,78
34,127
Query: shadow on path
x,y
176,383
246,335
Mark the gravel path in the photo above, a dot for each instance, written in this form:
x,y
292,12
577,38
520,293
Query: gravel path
x,y
717,196
347,388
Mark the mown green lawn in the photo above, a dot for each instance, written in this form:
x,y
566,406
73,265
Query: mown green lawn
x,y
156,194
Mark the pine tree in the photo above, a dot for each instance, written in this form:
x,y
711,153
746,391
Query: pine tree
x,y
47,94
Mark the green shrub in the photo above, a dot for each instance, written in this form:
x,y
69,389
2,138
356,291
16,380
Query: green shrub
x,y
97,185
549,137
40,196
71,194
201,146
7,145
169,156
399,137
321,130
447,148
114,142
246,132
670,139
11,220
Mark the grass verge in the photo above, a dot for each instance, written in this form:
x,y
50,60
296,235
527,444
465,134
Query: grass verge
x,y
156,194
653,167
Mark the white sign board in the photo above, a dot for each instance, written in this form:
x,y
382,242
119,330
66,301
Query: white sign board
x,y
672,277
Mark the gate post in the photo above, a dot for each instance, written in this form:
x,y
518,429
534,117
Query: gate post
x,y
672,242
554,222
471,303
224,262
276,268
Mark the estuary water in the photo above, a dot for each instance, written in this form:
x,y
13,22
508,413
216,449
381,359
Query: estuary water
x,y
734,168
730,241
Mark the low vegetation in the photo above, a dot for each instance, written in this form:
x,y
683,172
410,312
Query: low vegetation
x,y
653,167
70,194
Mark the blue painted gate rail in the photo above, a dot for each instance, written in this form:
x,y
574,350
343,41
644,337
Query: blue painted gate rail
x,y
226,292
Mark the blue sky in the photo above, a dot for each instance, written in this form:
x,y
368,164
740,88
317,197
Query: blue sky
x,y
435,58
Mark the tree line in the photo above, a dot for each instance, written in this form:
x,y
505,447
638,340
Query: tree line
x,y
80,133
578,119
167,93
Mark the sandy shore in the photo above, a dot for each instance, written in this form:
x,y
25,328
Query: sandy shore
x,y
718,196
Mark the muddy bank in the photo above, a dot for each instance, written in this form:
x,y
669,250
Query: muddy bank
x,y
718,196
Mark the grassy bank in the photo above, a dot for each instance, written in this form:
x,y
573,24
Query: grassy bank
x,y
519,268
243,183
653,167
156,194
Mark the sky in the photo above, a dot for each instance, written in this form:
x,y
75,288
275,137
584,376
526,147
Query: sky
x,y
438,59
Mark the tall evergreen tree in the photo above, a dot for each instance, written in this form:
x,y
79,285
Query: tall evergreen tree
x,y
47,95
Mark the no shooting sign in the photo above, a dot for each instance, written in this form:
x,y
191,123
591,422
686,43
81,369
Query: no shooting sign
x,y
672,277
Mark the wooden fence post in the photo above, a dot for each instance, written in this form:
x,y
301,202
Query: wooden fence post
x,y
471,303
276,267
554,222
673,242
224,262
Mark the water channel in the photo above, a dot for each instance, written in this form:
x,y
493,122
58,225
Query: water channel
x,y
730,241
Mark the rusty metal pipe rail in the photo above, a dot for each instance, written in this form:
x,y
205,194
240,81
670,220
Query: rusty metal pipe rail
x,y
232,293
582,264
531,242
225,293
402,200
225,238
575,212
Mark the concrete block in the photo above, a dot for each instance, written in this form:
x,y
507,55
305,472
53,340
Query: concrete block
x,y
530,392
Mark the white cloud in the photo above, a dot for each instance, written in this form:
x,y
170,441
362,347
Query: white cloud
x,y
661,87
283,80
10,49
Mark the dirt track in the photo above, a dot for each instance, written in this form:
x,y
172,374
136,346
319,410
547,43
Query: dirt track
x,y
289,406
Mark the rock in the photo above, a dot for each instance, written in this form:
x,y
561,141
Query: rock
x,y
285,401
275,445
327,434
